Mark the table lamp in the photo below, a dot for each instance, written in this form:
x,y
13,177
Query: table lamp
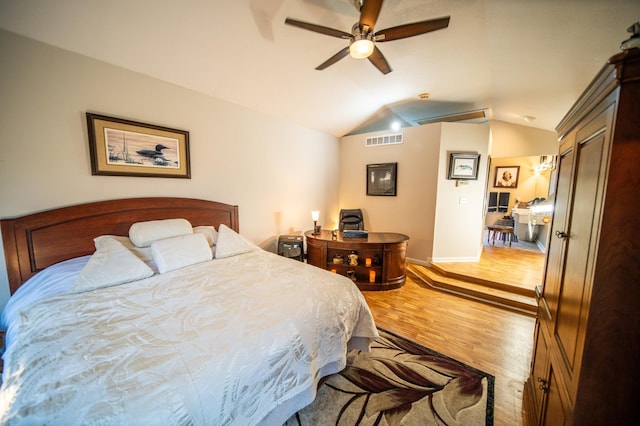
x,y
315,215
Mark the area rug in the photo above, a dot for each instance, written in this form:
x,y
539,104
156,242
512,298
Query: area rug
x,y
401,383
520,244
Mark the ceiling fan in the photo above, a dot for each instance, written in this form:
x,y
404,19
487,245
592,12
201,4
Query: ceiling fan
x,y
362,38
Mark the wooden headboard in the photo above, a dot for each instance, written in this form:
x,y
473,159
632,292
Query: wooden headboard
x,y
35,241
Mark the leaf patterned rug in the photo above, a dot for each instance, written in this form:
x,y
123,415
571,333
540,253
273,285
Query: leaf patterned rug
x,y
401,383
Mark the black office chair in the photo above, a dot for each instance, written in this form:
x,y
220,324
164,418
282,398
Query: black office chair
x,y
351,219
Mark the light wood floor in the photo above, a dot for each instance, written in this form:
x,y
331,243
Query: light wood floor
x,y
493,340
517,268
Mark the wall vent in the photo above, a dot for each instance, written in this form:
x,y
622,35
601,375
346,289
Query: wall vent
x,y
383,140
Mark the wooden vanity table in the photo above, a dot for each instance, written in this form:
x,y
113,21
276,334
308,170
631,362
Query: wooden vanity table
x,y
381,263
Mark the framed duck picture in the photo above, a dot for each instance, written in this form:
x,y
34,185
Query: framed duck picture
x,y
121,147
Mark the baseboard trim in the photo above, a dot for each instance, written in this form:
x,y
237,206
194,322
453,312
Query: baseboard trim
x,y
418,261
455,259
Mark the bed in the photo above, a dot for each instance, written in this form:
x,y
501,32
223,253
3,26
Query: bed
x,y
236,336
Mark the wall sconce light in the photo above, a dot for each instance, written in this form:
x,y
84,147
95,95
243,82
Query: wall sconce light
x,y
547,162
315,215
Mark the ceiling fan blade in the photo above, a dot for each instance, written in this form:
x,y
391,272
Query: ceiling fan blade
x,y
379,61
317,28
335,58
410,30
369,13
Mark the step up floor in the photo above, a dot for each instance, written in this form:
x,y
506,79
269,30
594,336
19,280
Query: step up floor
x,y
495,293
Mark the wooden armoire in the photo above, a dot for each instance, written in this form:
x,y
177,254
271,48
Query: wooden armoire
x,y
586,360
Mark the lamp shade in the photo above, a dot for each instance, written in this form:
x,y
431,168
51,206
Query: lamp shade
x,y
315,215
360,49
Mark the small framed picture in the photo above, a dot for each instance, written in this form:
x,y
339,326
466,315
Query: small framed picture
x,y
381,179
463,166
506,177
121,147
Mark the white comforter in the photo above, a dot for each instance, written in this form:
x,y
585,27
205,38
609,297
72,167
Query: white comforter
x,y
242,340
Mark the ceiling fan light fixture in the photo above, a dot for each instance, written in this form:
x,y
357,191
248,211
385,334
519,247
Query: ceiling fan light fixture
x,y
361,47
363,37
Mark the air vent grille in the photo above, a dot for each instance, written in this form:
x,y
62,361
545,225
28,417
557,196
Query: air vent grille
x,y
392,139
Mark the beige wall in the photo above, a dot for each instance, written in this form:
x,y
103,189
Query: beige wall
x,y
425,198
412,211
275,171
512,140
460,204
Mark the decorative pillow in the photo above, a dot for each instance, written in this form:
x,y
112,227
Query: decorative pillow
x,y
142,253
209,232
142,234
111,264
178,252
230,243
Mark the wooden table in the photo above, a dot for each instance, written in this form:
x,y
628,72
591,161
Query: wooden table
x,y
386,252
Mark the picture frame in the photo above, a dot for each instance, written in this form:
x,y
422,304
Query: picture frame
x,y
506,177
382,179
121,147
463,165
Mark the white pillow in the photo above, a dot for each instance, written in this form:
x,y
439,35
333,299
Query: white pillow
x,y
178,252
142,234
111,264
142,253
230,243
209,232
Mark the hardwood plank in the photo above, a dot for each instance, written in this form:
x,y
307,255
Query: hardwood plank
x,y
496,341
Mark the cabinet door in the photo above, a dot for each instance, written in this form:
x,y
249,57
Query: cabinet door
x,y
395,262
555,252
540,372
556,410
575,290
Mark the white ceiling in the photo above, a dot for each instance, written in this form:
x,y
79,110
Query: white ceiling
x,y
511,57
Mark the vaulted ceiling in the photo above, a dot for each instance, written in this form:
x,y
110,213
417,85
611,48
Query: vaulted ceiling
x,y
508,58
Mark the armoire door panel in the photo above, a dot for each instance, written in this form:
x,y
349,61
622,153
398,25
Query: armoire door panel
x,y
555,257
540,370
557,411
581,235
